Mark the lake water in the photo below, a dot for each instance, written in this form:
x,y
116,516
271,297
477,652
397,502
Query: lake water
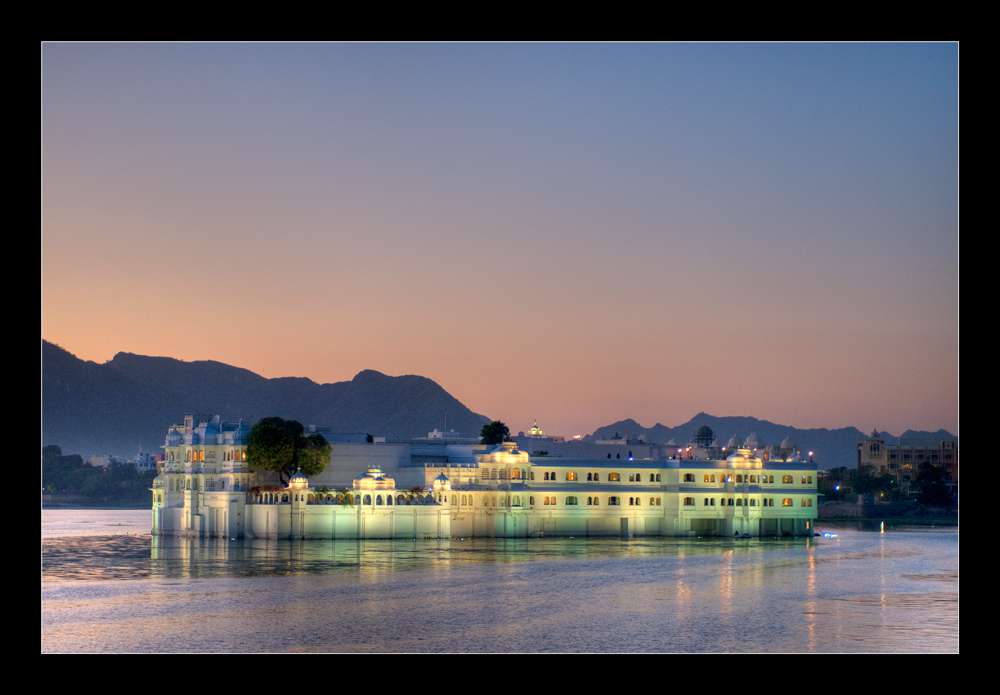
x,y
107,586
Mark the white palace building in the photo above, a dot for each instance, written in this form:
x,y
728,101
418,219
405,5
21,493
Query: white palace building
x,y
440,488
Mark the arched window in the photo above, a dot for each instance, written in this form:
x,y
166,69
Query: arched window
x,y
597,501
515,474
638,502
658,502
712,502
589,476
613,477
753,503
597,477
786,479
631,501
367,500
810,502
753,479
590,501
571,476
571,501
739,502
689,501
689,477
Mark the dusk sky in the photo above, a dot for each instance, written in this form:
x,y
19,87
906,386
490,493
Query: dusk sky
x,y
577,233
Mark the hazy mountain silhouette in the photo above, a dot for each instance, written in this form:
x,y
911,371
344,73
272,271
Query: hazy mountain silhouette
x,y
91,408
833,447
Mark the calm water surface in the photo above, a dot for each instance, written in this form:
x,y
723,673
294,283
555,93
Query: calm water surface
x,y
106,590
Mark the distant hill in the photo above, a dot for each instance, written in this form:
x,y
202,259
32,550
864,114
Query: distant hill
x,y
833,447
91,408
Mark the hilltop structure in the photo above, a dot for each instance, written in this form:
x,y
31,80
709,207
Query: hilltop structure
x,y
436,488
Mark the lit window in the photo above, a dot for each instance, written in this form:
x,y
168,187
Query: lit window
x,y
786,479
613,477
787,502
571,476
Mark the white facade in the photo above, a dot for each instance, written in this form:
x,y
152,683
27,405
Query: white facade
x,y
435,490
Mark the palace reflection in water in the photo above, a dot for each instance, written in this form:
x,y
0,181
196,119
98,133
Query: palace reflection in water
x,y
861,592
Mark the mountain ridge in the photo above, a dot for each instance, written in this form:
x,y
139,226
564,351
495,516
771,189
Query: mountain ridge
x,y
109,408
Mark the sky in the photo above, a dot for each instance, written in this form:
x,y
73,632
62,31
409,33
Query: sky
x,y
573,233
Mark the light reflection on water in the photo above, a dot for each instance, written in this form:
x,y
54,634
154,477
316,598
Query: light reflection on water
x,y
867,592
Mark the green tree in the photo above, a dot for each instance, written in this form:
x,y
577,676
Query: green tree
x,y
280,446
494,433
933,489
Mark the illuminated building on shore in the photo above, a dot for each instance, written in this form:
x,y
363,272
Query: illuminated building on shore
x,y
904,458
435,488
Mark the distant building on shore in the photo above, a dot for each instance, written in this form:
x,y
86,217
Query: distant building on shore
x,y
905,457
